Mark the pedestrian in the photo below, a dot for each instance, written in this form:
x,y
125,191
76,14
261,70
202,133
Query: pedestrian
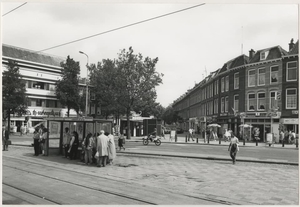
x,y
121,141
43,141
281,136
191,134
233,147
5,138
94,148
293,137
87,145
163,132
102,149
290,136
36,143
66,141
74,143
111,148
227,135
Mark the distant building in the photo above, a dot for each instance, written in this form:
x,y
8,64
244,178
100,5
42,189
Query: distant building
x,y
41,72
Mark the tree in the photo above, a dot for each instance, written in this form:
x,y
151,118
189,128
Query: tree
x,y
67,89
136,81
170,116
13,92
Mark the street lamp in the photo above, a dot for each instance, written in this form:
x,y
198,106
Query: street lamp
x,y
86,83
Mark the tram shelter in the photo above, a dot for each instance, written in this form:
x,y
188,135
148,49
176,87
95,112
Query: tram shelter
x,y
83,126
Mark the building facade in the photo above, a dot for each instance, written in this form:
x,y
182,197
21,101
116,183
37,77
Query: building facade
x,y
246,90
40,71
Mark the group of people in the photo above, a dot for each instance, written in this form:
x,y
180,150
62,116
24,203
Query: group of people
x,y
40,140
98,148
288,136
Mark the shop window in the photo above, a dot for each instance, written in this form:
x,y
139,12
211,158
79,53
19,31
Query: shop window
x,y
236,80
274,74
261,76
291,98
291,71
251,78
261,101
251,102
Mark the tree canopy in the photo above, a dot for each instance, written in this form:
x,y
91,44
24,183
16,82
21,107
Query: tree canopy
x,y
14,98
127,83
67,89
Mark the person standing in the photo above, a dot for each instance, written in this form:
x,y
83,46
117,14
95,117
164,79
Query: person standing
x,y
36,143
66,141
102,149
120,142
94,148
43,141
88,148
233,147
281,136
5,138
74,143
111,148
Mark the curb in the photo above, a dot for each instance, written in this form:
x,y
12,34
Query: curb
x,y
212,158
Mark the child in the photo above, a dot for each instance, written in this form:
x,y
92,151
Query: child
x,y
120,142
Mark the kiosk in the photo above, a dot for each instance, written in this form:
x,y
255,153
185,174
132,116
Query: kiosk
x,y
82,125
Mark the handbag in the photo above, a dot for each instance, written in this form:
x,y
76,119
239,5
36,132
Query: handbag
x,y
97,154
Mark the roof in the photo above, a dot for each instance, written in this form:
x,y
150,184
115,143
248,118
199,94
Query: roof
x,y
274,53
235,62
32,56
295,49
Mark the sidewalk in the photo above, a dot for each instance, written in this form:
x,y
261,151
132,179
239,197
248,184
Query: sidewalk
x,y
181,139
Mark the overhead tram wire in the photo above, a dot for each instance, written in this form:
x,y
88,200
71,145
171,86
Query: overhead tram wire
x,y
14,9
129,25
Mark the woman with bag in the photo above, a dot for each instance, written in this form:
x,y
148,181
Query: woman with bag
x,y
111,148
233,147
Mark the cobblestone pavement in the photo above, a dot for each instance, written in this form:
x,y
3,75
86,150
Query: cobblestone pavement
x,y
243,183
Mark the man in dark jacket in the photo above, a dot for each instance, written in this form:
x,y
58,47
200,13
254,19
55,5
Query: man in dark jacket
x,y
5,137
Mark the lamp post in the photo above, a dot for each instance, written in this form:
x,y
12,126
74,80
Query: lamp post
x,y
86,83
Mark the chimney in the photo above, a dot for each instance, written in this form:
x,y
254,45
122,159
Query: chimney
x,y
291,44
251,54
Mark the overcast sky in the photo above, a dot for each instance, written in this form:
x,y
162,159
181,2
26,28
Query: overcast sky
x,y
186,43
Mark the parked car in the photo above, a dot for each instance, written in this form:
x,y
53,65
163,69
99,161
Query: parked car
x,y
179,131
167,131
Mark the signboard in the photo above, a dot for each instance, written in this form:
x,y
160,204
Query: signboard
x,y
172,133
290,121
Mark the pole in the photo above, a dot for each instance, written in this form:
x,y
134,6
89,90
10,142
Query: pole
x,y
86,83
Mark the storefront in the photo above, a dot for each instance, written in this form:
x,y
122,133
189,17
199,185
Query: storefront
x,y
290,124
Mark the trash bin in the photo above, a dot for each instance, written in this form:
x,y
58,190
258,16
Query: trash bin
x,y
269,139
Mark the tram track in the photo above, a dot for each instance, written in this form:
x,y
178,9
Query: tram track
x,y
110,192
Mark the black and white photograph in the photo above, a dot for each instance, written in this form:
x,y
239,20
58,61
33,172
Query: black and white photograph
x,y
150,102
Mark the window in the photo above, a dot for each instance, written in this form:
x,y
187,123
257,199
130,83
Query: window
x,y
226,104
261,101
28,102
251,78
38,102
204,93
274,74
222,105
264,55
51,103
236,102
215,106
272,99
251,102
261,76
227,83
291,98
222,84
52,87
29,84
38,85
217,86
291,71
236,80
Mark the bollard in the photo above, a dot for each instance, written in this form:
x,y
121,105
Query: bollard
x,y
175,137
219,140
208,140
244,142
197,140
256,142
185,138
283,143
296,143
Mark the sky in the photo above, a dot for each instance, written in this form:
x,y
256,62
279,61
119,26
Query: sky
x,y
189,44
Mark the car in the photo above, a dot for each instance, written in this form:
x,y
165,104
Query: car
x,y
179,131
167,131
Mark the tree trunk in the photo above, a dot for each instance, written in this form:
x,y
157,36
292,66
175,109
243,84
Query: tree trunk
x,y
8,122
68,112
128,124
